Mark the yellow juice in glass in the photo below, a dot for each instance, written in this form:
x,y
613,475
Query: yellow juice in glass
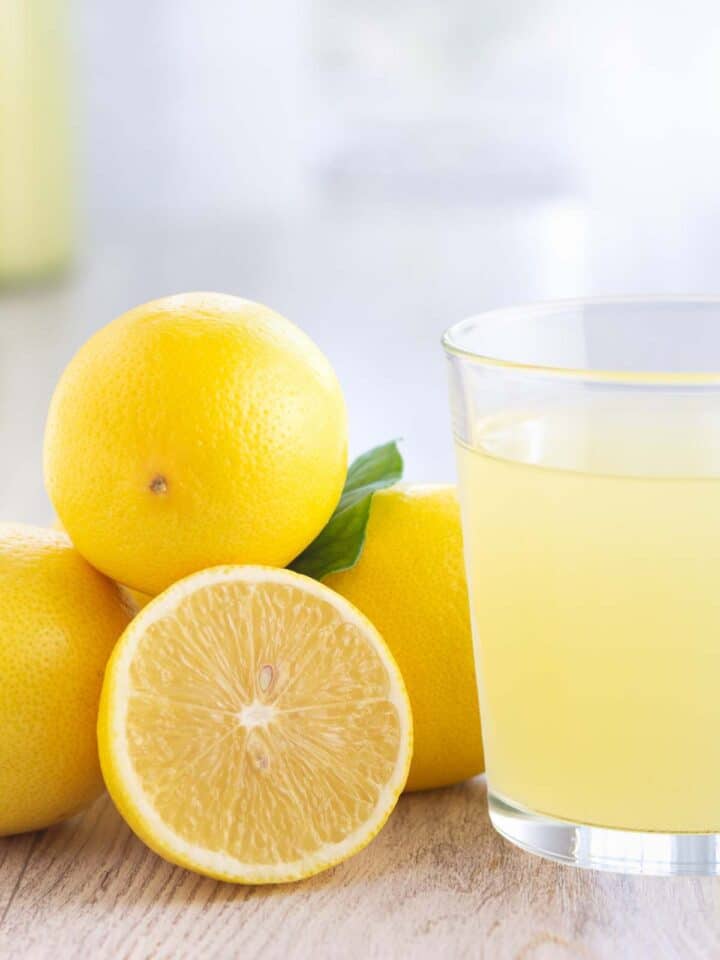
x,y
592,544
35,152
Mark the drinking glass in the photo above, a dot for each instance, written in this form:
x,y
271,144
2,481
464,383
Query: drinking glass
x,y
588,448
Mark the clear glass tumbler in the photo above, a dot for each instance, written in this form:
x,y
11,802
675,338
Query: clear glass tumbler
x,y
588,449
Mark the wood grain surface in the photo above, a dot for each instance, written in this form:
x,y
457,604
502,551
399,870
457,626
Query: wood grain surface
x,y
437,882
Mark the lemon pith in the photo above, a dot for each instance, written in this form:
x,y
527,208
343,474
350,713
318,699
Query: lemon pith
x,y
253,726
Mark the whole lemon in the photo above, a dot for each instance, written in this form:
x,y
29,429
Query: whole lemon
x,y
59,620
410,583
193,431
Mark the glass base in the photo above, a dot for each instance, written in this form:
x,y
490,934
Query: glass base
x,y
601,848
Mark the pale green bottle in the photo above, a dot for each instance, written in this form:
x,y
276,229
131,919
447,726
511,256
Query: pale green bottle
x,y
35,165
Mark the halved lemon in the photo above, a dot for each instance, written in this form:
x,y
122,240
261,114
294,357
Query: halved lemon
x,y
253,726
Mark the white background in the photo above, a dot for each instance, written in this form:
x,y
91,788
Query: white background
x,y
375,170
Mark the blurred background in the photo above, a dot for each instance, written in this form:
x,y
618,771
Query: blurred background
x,y
373,170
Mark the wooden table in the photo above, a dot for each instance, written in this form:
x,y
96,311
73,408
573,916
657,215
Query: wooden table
x,y
437,882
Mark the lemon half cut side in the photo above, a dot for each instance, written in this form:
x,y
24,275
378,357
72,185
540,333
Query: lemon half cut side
x,y
254,726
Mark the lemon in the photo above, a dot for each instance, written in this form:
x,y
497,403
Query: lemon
x,y
136,599
195,430
253,726
59,619
139,600
410,582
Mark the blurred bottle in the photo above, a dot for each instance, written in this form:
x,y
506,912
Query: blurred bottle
x,y
35,180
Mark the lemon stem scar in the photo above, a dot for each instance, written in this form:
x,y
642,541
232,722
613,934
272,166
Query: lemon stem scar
x,y
159,484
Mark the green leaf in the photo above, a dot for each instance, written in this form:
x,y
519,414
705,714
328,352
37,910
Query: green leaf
x,y
339,544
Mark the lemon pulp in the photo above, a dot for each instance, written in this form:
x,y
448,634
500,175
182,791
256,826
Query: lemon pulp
x,y
254,726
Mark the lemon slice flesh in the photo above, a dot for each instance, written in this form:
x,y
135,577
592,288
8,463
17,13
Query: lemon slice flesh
x,y
253,726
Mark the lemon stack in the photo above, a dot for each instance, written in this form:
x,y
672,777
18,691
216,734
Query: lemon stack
x,y
253,723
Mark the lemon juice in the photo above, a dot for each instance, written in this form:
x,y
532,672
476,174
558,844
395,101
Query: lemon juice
x,y
592,542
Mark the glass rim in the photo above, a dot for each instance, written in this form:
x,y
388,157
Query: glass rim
x,y
543,308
